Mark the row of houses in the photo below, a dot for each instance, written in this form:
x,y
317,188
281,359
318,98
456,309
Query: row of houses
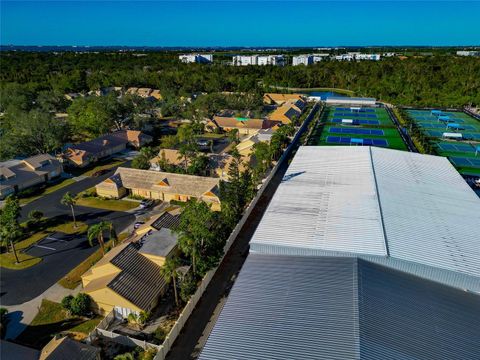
x,y
18,175
162,186
143,92
88,152
288,107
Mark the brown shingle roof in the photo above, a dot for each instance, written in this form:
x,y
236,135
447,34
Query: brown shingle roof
x,y
166,182
231,122
68,349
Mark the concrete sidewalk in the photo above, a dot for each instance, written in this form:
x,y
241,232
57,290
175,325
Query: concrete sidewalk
x,y
19,316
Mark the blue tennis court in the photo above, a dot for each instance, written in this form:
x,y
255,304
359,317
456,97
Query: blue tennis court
x,y
456,147
346,130
360,122
443,126
349,140
350,114
468,162
362,110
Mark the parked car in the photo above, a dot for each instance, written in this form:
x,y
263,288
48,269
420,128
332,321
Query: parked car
x,y
138,224
100,172
144,204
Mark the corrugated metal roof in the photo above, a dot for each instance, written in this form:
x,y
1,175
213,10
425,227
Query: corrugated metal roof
x,y
284,307
327,200
292,307
373,201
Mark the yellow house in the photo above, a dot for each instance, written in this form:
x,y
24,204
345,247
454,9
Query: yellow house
x,y
245,126
280,99
245,147
161,186
126,279
285,113
168,220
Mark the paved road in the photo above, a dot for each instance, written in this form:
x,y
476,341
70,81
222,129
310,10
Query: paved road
x,y
59,257
19,286
195,332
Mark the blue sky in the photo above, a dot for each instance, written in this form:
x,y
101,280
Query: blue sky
x,y
239,23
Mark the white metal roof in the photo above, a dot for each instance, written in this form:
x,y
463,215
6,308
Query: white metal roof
x,y
375,201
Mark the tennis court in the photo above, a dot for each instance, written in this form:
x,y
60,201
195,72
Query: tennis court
x,y
362,109
350,130
463,152
356,141
453,147
357,121
465,162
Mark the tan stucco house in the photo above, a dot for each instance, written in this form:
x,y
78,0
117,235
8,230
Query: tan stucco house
x,y
160,186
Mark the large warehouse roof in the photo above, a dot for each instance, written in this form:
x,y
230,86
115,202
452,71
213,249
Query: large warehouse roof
x,y
373,201
293,307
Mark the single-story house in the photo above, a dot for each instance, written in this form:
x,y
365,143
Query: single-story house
x,y
17,175
125,280
245,147
285,113
171,156
160,186
146,93
168,220
159,246
220,164
280,99
88,152
245,126
62,348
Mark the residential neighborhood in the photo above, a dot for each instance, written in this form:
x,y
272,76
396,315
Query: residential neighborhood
x,y
200,182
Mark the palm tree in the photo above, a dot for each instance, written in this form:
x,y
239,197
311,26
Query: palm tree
x,y
169,272
69,200
113,234
96,232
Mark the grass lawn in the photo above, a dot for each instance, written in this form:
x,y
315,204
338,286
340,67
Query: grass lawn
x,y
7,259
47,191
111,204
52,319
74,277
211,136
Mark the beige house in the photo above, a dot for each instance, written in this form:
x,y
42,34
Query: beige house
x,y
146,93
86,153
60,348
127,280
286,113
245,147
280,99
161,186
220,164
17,175
245,126
171,156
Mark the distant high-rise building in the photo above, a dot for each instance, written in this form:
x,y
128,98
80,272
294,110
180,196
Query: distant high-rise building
x,y
468,53
196,58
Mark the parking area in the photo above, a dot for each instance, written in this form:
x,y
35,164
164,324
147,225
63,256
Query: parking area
x,y
59,252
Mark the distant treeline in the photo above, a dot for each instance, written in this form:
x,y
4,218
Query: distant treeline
x,y
440,80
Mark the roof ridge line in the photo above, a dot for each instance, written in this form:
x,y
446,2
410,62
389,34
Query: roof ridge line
x,y
379,202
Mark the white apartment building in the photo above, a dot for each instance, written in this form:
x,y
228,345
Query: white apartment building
x,y
244,60
357,56
468,53
196,58
302,60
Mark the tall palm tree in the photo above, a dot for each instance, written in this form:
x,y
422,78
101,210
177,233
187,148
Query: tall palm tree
x,y
95,232
169,272
113,234
69,200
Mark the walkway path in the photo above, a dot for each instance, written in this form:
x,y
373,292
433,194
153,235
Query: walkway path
x,y
19,316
